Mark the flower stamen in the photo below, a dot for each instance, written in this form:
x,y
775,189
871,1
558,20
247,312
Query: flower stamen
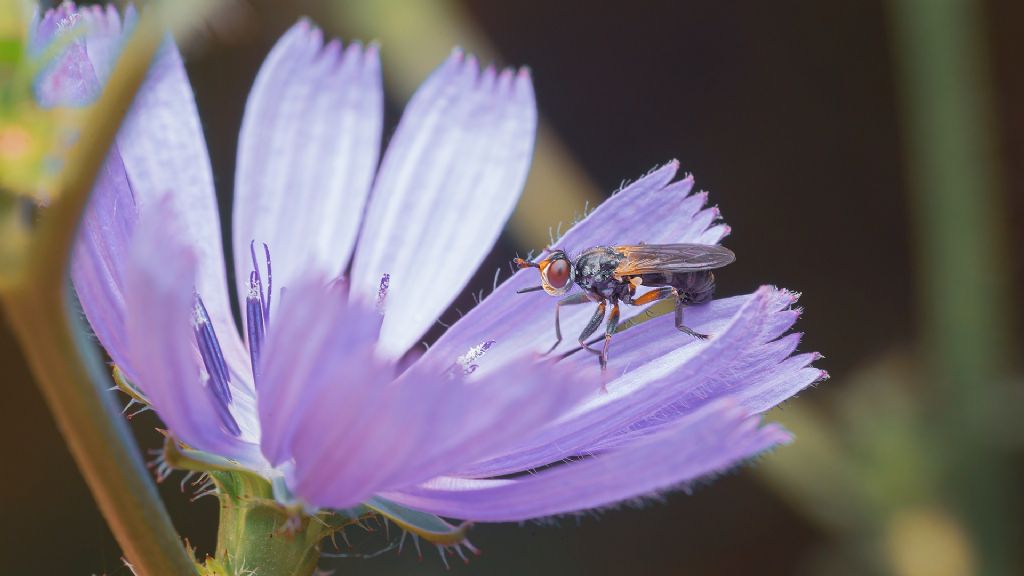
x,y
219,377
264,298
255,325
257,308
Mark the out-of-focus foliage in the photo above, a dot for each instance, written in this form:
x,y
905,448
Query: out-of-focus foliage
x,y
912,472
870,472
33,140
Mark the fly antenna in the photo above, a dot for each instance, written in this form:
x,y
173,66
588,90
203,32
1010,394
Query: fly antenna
x,y
525,263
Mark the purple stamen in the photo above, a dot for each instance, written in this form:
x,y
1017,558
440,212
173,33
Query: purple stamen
x,y
257,281
256,272
216,367
257,307
255,326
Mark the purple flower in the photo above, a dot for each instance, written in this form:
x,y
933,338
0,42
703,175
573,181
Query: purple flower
x,y
322,392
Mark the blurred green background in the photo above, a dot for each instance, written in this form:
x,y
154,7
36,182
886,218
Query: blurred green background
x,y
866,153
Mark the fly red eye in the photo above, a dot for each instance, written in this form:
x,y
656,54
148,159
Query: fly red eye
x,y
558,273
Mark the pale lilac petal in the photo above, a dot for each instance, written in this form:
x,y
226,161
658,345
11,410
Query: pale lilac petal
x,y
764,385
703,443
329,403
105,35
164,154
160,275
46,26
415,430
69,79
98,258
519,322
307,153
318,342
684,378
450,178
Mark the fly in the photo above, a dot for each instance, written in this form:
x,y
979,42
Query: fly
x,y
609,275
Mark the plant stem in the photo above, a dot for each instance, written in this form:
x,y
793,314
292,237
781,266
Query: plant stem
x,y
72,379
66,365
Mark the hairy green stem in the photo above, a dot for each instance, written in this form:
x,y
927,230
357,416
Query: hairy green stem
x,y
66,365
73,381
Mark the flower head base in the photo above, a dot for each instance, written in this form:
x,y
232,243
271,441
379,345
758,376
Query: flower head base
x,y
315,402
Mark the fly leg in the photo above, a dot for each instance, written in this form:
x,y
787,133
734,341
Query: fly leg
x,y
571,300
667,292
592,326
654,296
613,323
679,322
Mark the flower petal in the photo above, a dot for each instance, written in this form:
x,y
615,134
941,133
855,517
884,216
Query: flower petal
x,y
318,343
105,35
328,402
450,178
307,153
98,258
101,248
162,144
412,431
681,380
69,79
159,305
706,442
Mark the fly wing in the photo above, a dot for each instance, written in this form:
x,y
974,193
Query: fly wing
x,y
654,258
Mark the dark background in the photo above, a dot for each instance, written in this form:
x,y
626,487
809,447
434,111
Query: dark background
x,y
788,112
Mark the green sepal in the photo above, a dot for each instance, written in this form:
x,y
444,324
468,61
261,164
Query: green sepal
x,y
258,533
126,386
181,457
423,524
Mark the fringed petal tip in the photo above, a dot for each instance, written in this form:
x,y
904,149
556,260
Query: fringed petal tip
x,y
98,20
103,19
510,82
304,34
307,154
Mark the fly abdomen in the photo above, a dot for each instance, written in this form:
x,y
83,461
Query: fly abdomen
x,y
694,287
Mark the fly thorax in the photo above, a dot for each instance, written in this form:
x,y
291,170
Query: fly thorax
x,y
595,269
